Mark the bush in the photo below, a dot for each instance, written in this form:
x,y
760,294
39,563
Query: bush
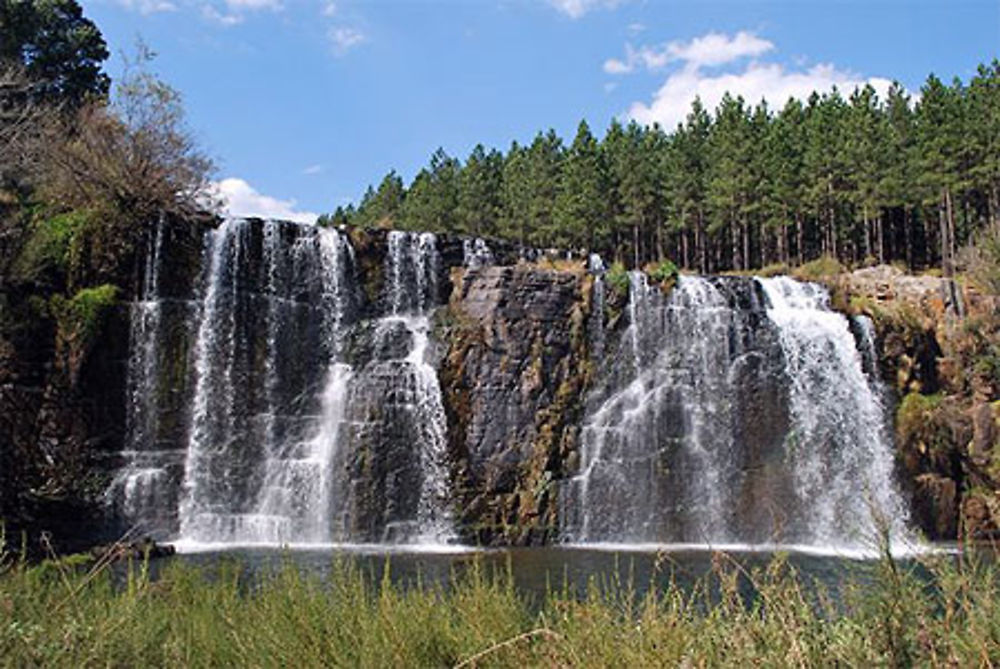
x,y
823,266
49,254
922,426
981,261
81,317
663,271
617,277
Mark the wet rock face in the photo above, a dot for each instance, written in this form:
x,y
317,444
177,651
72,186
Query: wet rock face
x,y
514,377
63,416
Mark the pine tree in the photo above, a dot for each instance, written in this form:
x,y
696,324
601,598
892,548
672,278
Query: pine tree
x,y
515,194
479,192
381,208
937,124
544,161
581,208
728,180
432,199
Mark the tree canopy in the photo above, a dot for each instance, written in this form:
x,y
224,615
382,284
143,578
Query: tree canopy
x,y
61,50
847,175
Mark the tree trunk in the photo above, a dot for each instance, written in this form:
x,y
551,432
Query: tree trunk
x,y
868,236
880,238
635,245
685,258
907,238
800,238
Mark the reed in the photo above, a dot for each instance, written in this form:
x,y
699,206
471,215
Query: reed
x,y
938,611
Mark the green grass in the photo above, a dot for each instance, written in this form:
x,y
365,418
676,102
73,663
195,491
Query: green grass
x,y
56,614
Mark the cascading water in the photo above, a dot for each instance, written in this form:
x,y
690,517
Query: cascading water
x,y
733,413
263,439
839,448
476,253
400,387
289,402
656,444
141,488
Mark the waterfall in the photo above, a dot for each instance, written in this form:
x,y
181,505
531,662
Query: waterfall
x,y
141,489
476,253
839,448
733,412
267,409
655,450
595,266
400,387
290,394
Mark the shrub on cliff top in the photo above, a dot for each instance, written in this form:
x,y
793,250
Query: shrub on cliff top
x,y
817,269
617,277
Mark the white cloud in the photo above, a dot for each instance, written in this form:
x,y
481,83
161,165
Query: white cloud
x,y
635,28
577,8
345,38
212,14
754,80
235,10
329,9
313,169
769,81
718,49
148,6
708,50
645,56
253,5
241,199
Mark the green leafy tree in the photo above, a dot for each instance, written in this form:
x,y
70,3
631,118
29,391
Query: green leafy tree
x,y
544,159
60,49
729,181
865,156
515,195
938,123
783,153
982,133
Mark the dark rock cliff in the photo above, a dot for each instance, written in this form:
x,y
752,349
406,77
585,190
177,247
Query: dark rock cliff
x,y
514,347
514,376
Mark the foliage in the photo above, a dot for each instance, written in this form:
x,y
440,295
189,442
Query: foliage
x,y
61,52
942,610
617,277
80,317
824,266
136,157
981,260
856,179
663,271
920,425
48,254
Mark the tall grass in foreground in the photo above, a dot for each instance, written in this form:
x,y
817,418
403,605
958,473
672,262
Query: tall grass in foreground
x,y
59,614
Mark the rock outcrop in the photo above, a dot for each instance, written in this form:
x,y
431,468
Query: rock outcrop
x,y
514,376
939,353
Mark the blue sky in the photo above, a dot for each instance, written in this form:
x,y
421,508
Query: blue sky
x,y
303,103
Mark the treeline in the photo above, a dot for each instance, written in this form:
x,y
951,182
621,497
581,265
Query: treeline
x,y
860,179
